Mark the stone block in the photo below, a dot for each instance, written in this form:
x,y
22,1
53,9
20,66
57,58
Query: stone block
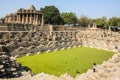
x,y
28,54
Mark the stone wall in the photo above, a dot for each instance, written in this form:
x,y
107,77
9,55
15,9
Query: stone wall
x,y
49,39
98,38
8,65
4,28
17,27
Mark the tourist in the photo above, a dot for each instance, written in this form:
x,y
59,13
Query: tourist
x,y
94,67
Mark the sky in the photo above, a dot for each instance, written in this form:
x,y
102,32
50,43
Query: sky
x,y
90,8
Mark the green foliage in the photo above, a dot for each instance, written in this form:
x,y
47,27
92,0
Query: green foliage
x,y
114,21
51,15
84,21
104,23
69,18
73,61
2,19
101,22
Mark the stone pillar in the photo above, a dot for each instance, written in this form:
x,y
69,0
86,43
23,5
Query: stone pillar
x,y
26,18
13,18
30,19
23,19
34,19
17,18
40,19
37,19
21,16
7,19
42,22
10,19
51,29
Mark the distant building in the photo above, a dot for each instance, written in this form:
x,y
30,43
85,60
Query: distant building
x,y
25,16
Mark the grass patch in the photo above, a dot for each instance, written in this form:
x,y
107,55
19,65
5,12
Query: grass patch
x,y
73,61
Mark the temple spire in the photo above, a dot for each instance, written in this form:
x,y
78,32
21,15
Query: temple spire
x,y
31,7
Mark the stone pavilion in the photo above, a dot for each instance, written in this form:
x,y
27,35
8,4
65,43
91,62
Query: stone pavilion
x,y
25,16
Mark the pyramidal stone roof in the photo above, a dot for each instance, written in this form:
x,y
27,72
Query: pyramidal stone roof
x,y
31,7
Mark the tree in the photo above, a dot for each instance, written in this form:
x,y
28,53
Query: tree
x,y
84,21
114,21
2,19
69,18
101,22
51,15
119,22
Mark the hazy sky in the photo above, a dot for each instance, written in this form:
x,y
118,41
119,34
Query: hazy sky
x,y
90,8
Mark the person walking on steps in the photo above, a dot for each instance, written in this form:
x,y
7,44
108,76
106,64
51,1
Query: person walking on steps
x,y
94,67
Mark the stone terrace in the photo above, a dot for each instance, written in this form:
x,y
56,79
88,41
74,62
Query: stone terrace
x,y
51,38
109,70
